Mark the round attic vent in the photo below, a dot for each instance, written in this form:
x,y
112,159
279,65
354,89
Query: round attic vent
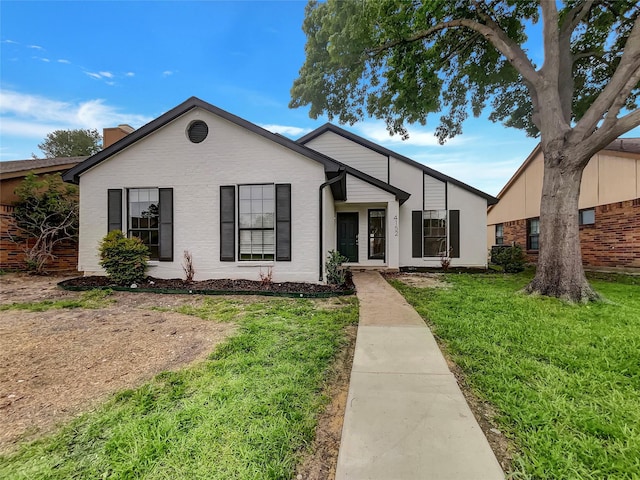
x,y
198,131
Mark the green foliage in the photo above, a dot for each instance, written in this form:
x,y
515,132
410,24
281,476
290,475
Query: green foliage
x,y
390,60
71,143
46,212
336,273
563,378
510,257
247,412
124,259
91,299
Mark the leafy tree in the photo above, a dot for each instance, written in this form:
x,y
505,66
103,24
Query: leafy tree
x,y
402,60
47,214
71,143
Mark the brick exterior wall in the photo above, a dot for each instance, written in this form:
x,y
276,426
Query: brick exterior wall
x,y
613,241
12,253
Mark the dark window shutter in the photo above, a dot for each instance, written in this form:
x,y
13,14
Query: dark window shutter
x,y
416,234
165,250
114,209
283,222
454,233
228,223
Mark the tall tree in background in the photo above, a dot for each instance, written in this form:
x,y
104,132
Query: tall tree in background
x,y
71,143
401,60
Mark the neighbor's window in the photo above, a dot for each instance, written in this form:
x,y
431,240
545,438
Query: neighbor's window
x,y
435,233
533,234
256,213
144,217
377,234
587,216
499,234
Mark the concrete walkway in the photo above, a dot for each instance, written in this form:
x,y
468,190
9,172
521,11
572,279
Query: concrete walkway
x,y
406,417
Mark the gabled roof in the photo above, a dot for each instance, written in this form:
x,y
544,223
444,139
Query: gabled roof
x,y
329,127
18,168
191,103
623,145
331,165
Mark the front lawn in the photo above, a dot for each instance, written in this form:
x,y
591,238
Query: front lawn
x,y
565,379
246,413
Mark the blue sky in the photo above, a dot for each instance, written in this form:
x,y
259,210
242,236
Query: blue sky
x,y
99,64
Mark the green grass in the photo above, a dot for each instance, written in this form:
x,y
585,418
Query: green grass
x,y
564,378
91,299
245,413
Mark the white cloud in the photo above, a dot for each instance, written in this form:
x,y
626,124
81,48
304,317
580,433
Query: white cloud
x,y
286,130
35,47
106,74
377,132
34,116
94,75
129,74
167,73
10,41
46,60
62,60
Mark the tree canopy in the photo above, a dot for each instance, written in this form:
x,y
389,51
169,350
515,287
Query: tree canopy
x,y
402,60
71,143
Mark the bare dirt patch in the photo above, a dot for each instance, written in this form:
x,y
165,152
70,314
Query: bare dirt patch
x,y
420,280
61,362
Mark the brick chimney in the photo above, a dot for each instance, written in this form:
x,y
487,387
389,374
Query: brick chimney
x,y
113,134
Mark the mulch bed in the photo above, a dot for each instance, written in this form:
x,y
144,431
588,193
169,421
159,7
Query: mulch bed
x,y
212,287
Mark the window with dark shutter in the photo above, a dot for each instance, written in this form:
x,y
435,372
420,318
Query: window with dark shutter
x,y
227,223
114,209
454,233
165,247
283,222
416,234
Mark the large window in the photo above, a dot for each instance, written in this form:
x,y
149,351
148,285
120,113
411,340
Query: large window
x,y
256,215
435,233
144,217
533,234
377,234
499,234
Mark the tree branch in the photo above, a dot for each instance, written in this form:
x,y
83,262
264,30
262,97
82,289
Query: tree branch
x,y
627,69
495,35
574,17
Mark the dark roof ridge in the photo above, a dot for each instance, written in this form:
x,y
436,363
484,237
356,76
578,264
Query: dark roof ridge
x,y
72,175
385,151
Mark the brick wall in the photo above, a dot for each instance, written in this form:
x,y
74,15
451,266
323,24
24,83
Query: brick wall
x,y
12,253
613,241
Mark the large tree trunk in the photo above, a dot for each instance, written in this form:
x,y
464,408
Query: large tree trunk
x,y
560,272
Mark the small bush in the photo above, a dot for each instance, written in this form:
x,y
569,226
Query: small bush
x,y
336,273
124,259
510,258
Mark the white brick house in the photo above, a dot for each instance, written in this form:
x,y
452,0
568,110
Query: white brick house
x,y
242,200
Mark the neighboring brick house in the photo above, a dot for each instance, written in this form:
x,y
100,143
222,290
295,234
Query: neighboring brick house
x,y
609,205
12,243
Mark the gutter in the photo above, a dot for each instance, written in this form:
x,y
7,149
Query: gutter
x,y
340,177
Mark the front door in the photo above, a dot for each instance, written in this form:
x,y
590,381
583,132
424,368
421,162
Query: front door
x,y
348,235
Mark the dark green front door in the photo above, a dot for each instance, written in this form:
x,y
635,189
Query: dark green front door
x,y
348,235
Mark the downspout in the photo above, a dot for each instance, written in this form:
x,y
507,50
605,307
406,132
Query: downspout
x,y
340,176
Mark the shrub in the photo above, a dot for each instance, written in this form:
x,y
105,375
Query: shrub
x,y
336,273
510,258
187,266
124,259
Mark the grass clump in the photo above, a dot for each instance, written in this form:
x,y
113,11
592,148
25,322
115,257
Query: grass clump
x,y
564,378
92,299
244,413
